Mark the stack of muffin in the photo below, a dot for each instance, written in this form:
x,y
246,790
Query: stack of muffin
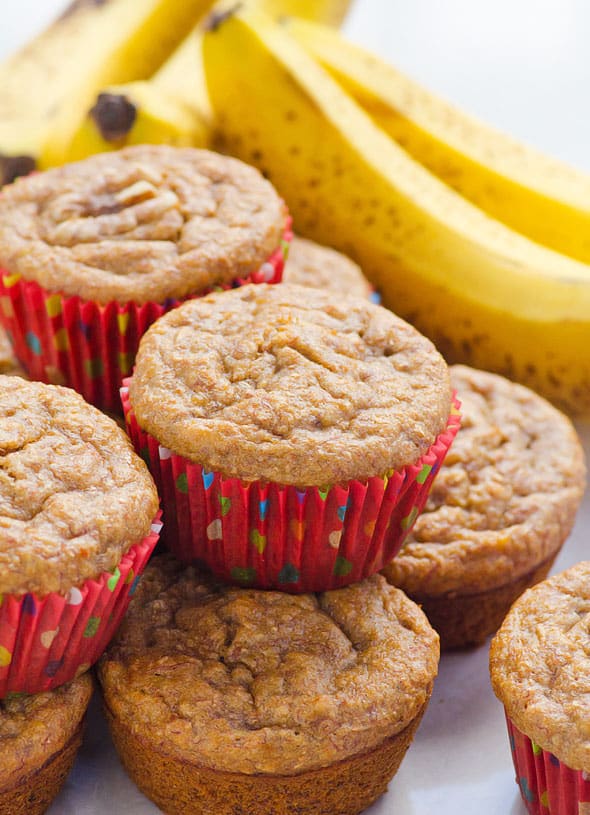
x,y
293,435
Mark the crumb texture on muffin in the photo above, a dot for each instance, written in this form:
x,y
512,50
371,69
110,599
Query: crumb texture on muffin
x,y
540,665
505,498
74,496
248,681
320,267
141,224
291,385
34,728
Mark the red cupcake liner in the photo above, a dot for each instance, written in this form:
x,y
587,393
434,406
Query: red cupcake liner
x,y
46,641
275,536
87,346
547,786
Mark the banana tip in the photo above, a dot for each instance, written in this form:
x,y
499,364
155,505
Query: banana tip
x,y
217,18
114,115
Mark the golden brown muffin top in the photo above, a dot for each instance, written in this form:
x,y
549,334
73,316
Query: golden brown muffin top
x,y
505,498
540,665
291,385
145,223
266,682
74,496
9,364
34,728
318,266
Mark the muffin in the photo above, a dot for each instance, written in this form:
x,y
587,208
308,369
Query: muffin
x,y
94,252
293,434
39,738
232,701
500,509
320,267
76,513
540,669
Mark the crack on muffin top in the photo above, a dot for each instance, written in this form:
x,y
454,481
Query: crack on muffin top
x,y
505,498
266,682
291,385
34,728
146,223
74,496
540,665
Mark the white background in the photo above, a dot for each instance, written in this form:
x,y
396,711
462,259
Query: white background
x,y
524,66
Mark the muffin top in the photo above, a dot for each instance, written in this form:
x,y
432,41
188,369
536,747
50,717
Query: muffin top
x,y
265,682
505,498
34,728
540,665
291,385
318,266
74,496
145,223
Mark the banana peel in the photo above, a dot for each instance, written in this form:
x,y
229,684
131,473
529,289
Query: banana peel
x,y
45,86
171,108
534,194
485,295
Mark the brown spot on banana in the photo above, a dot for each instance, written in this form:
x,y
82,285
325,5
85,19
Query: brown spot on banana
x,y
13,166
114,115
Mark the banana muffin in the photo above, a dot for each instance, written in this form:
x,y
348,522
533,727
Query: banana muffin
x,y
93,252
39,738
500,509
320,267
540,670
231,701
76,512
294,433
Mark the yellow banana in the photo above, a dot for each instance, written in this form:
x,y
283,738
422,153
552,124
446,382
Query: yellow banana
x,y
540,197
484,294
45,86
170,108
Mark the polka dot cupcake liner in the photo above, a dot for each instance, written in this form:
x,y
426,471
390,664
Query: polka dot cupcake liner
x,y
87,346
547,786
47,641
274,536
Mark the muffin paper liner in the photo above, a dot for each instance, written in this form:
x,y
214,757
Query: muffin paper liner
x,y
275,536
547,786
46,641
87,346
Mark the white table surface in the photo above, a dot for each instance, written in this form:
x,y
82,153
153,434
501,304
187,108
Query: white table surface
x,y
522,65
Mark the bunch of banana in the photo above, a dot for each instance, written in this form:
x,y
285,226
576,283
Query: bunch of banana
x,y
172,107
57,100
483,292
45,87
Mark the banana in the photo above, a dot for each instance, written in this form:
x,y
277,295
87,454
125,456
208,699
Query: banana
x,y
540,197
483,293
95,43
170,108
